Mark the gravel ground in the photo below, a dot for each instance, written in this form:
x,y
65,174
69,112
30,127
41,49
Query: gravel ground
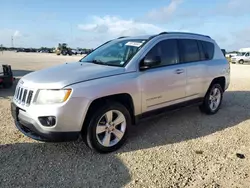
x,y
179,149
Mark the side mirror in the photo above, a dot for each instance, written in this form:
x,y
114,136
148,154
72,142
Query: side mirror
x,y
149,62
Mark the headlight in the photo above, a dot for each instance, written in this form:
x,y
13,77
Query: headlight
x,y
52,96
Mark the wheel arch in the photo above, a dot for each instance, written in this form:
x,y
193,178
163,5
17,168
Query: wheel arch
x,y
220,80
123,98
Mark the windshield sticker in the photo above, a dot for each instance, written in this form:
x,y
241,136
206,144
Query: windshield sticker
x,y
122,62
136,44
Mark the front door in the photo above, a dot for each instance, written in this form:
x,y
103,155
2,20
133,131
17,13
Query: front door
x,y
165,84
247,55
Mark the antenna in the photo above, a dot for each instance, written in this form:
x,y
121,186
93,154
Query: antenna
x,y
12,44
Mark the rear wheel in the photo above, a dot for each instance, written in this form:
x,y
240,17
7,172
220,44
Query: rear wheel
x,y
108,128
212,100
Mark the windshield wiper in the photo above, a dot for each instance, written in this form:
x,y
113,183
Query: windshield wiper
x,y
99,62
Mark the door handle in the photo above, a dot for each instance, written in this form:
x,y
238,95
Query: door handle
x,y
179,71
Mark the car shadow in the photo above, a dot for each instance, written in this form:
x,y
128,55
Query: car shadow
x,y
189,123
7,93
72,164
59,165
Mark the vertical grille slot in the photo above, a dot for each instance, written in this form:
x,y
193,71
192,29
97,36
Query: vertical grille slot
x,y
24,95
17,94
29,97
20,94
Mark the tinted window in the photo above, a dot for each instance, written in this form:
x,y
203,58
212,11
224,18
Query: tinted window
x,y
189,50
167,50
202,51
208,49
247,54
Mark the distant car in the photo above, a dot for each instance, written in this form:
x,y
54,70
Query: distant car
x,y
88,51
20,50
44,51
77,51
241,58
73,51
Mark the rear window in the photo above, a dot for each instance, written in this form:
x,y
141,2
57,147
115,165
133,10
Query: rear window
x,y
208,49
189,50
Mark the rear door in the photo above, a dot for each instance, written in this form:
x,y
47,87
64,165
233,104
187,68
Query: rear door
x,y
195,67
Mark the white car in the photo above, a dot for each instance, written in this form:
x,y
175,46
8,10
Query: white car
x,y
77,51
241,58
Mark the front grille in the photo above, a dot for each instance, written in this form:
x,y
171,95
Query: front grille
x,y
23,95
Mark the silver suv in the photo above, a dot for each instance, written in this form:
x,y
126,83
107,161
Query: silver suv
x,y
119,83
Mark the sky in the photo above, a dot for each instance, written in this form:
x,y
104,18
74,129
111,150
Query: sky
x,y
87,24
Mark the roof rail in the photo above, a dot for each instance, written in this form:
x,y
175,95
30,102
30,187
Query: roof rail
x,y
122,37
177,32
162,33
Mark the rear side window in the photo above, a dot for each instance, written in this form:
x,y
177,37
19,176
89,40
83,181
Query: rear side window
x,y
208,49
189,50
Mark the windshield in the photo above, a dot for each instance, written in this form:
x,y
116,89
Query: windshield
x,y
241,53
115,53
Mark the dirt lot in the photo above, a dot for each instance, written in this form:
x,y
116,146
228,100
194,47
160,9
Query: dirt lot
x,y
181,149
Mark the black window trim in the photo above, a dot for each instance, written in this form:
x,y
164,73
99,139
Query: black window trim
x,y
160,66
201,50
180,54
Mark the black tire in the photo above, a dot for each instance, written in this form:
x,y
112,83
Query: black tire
x,y
205,107
241,61
90,136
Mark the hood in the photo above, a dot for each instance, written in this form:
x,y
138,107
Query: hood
x,y
60,76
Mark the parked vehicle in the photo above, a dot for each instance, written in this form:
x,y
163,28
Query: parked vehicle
x,y
241,58
6,76
77,51
121,82
63,49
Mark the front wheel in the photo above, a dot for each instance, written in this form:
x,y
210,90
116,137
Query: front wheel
x,y
241,62
108,128
212,100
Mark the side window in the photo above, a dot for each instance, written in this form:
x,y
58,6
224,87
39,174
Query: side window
x,y
167,50
189,50
208,48
202,51
247,55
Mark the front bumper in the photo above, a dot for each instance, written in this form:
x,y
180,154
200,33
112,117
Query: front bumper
x,y
30,128
234,61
